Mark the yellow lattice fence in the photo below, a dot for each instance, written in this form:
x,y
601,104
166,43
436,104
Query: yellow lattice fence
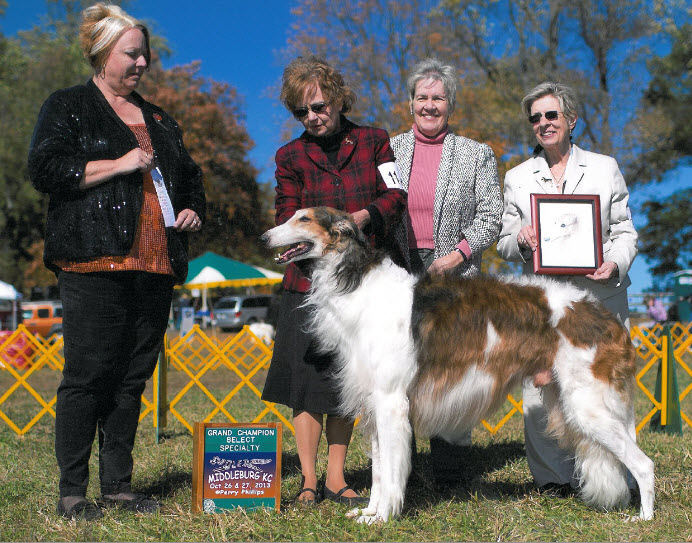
x,y
205,378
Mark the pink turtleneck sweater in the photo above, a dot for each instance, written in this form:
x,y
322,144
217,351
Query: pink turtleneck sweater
x,y
421,192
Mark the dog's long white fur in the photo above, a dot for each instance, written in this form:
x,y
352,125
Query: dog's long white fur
x,y
370,330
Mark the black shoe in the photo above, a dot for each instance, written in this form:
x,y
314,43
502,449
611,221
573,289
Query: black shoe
x,y
338,497
306,503
137,503
83,509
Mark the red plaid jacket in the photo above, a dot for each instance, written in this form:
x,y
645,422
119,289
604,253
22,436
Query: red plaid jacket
x,y
306,178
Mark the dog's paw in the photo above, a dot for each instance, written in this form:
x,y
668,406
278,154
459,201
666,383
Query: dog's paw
x,y
369,519
353,513
638,518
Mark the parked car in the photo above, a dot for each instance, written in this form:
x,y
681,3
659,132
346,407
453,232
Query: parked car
x,y
236,311
43,318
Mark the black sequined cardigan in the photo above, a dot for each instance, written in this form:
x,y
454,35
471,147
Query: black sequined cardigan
x,y
76,126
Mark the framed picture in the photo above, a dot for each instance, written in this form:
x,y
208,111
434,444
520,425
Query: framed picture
x,y
568,230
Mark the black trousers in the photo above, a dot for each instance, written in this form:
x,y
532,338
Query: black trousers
x,y
113,326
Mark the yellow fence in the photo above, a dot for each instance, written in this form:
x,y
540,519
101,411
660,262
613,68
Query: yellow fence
x,y
201,377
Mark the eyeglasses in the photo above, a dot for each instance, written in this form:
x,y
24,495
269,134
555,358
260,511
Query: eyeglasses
x,y
550,115
302,112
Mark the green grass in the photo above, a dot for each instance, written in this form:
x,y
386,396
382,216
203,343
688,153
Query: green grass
x,y
496,502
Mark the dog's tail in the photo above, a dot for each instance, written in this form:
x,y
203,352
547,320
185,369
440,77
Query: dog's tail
x,y
603,478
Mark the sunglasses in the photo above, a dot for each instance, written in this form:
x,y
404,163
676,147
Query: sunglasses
x,y
550,115
302,112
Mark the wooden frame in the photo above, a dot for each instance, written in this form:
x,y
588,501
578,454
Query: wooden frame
x,y
568,230
243,469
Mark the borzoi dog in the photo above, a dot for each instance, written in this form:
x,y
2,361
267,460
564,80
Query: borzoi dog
x,y
443,352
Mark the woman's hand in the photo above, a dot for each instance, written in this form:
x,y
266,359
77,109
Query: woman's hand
x,y
100,171
526,238
361,218
445,263
605,272
188,221
137,159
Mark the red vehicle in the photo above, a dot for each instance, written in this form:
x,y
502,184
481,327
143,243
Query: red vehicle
x,y
18,353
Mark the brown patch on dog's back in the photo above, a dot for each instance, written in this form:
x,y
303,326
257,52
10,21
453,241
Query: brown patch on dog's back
x,y
588,324
450,324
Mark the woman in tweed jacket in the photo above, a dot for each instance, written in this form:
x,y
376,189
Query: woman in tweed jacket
x,y
454,202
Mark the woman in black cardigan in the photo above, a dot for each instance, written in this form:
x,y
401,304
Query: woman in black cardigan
x,y
124,193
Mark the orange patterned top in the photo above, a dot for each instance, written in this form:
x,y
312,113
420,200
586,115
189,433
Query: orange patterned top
x,y
149,251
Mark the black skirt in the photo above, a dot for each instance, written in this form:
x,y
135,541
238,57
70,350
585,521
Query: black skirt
x,y
299,376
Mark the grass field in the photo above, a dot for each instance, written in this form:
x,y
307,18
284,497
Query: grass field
x,y
495,502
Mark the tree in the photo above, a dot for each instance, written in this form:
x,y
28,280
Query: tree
x,y
667,237
47,58
209,113
664,134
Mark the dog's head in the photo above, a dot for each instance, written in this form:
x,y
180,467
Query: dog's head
x,y
313,233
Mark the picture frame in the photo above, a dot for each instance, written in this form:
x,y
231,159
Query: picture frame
x,y
568,230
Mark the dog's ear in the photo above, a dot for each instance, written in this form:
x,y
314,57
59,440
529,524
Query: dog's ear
x,y
344,226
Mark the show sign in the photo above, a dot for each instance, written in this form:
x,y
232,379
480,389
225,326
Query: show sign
x,y
236,465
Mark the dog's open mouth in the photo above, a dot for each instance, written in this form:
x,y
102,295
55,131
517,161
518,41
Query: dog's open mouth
x,y
293,251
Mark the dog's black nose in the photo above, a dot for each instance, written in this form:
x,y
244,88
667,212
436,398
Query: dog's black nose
x,y
264,238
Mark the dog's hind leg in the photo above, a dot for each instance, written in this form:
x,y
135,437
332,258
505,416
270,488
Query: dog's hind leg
x,y
393,431
605,447
603,477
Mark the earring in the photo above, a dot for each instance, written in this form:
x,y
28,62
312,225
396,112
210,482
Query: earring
x,y
411,110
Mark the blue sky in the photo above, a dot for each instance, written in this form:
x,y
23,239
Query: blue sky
x,y
238,43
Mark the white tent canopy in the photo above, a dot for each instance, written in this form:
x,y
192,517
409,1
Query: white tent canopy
x,y
8,292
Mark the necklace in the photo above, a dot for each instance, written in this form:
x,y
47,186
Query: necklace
x,y
558,182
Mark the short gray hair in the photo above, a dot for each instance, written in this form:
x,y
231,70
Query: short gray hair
x,y
565,96
432,68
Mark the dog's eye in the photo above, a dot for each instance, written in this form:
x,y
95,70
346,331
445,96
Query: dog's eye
x,y
304,219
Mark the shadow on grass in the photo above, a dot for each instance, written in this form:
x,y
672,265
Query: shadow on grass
x,y
168,483
465,476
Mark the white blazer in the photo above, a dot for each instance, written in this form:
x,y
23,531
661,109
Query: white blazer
x,y
587,173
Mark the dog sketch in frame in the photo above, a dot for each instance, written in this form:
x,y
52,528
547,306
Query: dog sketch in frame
x,y
443,352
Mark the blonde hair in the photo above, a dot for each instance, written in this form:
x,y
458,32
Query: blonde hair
x,y
565,95
304,72
102,26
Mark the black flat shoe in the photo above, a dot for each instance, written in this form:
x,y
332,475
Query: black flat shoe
x,y
137,503
306,503
81,510
338,497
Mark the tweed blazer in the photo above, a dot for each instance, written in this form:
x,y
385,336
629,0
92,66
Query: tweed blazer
x,y
467,195
306,178
587,173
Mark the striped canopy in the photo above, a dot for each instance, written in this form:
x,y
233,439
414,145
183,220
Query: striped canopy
x,y
211,270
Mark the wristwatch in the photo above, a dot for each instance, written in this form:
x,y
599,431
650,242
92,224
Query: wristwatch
x,y
461,253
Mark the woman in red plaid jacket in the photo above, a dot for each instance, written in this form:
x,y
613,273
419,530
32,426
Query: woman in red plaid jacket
x,y
339,164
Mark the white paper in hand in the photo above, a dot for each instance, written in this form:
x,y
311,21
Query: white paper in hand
x,y
164,199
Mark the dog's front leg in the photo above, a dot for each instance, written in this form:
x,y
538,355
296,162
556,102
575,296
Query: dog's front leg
x,y
369,512
394,444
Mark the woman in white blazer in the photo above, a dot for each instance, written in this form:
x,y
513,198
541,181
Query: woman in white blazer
x,y
454,201
560,167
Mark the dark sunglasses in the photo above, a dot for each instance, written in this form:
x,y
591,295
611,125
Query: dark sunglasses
x,y
550,115
302,112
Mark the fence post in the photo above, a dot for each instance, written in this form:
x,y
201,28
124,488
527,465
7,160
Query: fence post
x,y
669,419
161,389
